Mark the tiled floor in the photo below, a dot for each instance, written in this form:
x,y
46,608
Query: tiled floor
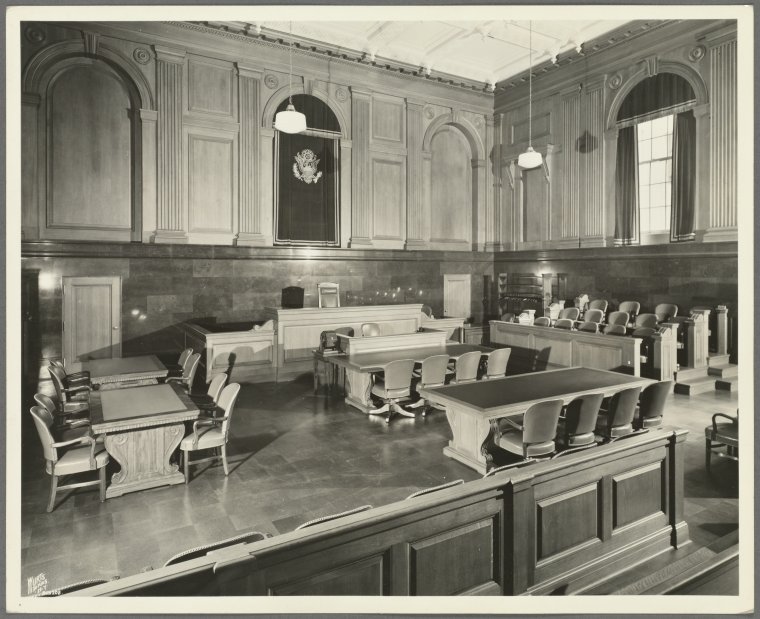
x,y
294,456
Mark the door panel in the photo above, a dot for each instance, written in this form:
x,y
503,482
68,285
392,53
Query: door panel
x,y
91,318
456,295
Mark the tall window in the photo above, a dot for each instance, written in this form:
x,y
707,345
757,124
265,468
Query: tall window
x,y
655,153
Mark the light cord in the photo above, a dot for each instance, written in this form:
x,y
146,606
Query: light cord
x,y
290,73
530,85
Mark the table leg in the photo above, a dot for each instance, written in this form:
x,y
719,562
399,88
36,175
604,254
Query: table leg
x,y
469,434
316,375
143,455
359,386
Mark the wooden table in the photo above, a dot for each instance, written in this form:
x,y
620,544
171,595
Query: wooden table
x,y
359,367
143,426
125,371
472,408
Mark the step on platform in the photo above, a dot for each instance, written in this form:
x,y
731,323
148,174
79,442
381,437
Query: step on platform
x,y
727,384
694,386
716,359
727,370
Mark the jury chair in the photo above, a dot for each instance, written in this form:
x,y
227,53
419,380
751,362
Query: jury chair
x,y
211,433
632,308
427,310
508,317
722,435
576,426
614,330
600,304
394,386
618,318
564,323
320,520
589,327
652,405
370,329
534,436
665,311
466,368
63,427
643,331
74,398
329,294
542,321
617,420
72,377
188,373
208,401
593,315
496,363
646,320
69,457
432,373
202,551
176,369
570,313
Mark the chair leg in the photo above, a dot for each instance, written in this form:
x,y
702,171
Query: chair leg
x,y
186,462
53,488
401,411
708,453
379,411
102,475
224,460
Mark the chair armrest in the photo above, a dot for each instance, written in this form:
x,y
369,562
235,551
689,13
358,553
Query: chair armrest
x,y
76,388
171,379
75,423
515,425
729,417
206,421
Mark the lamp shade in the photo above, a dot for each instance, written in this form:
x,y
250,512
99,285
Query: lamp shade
x,y
529,159
290,121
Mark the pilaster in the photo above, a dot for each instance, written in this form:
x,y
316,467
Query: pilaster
x,y
361,214
415,223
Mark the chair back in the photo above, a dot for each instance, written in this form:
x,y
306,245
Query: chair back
x,y
621,411
666,311
652,403
543,321
58,375
47,403
427,310
398,377
508,317
227,404
600,304
618,318
329,294
646,320
183,357
216,385
580,420
644,332
632,308
540,422
467,367
188,372
589,327
58,364
370,329
614,330
292,297
43,421
593,315
433,372
497,362
347,331
564,323
571,313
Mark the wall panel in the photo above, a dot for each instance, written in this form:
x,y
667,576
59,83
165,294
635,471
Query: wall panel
x,y
451,187
388,199
210,87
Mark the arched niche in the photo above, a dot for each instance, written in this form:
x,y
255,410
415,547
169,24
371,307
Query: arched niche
x,y
281,95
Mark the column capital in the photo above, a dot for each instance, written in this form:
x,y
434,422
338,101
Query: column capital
x,y
169,54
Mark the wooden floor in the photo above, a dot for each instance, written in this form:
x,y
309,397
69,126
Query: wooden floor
x,y
295,456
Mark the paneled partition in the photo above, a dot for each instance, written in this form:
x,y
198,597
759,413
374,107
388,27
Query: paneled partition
x,y
556,527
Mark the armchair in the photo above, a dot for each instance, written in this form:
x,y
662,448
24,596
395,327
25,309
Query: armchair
x,y
176,369
617,420
534,436
652,405
188,373
207,401
432,374
466,368
73,398
393,387
64,428
720,435
496,365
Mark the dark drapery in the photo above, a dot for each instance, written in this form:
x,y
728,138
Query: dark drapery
x,y
684,177
658,92
626,188
308,178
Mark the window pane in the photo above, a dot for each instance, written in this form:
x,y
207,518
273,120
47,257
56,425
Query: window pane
x,y
659,171
659,126
668,170
644,197
644,130
668,194
658,195
670,144
644,174
670,124
644,220
659,147
645,150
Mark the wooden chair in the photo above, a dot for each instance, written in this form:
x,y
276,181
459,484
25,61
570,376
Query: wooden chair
x,y
576,427
202,551
63,427
632,308
432,374
564,323
589,327
593,315
618,318
188,373
64,458
370,329
534,436
208,401
424,491
542,321
176,369
600,304
329,294
466,368
496,365
322,519
666,311
652,405
74,398
570,313
615,330
211,433
394,386
646,320
722,435
617,420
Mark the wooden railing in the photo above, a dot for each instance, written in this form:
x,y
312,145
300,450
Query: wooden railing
x,y
533,530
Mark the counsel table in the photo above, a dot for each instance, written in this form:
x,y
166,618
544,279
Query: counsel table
x,y
471,408
142,426
124,371
359,367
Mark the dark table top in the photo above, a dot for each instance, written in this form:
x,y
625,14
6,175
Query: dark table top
x,y
376,361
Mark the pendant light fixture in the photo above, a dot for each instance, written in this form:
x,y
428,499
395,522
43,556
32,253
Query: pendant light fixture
x,y
290,121
530,158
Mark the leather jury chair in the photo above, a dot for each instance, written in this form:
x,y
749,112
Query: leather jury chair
x,y
570,313
432,374
593,315
211,433
208,401
69,457
73,377
496,365
73,398
614,330
618,318
589,327
665,311
466,368
62,427
652,405
600,304
576,427
542,321
188,373
564,323
646,320
370,329
617,420
534,437
394,386
632,308
177,368
722,435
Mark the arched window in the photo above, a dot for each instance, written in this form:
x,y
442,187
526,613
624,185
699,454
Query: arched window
x,y
307,186
655,177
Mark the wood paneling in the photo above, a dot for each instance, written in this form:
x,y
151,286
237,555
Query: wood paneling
x,y
591,145
571,170
388,120
535,203
639,493
210,87
361,206
89,152
251,230
388,198
451,187
366,577
567,519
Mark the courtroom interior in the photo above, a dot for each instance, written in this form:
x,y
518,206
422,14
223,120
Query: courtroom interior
x,y
435,307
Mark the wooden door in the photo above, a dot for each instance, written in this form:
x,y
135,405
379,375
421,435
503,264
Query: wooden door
x,y
91,318
456,295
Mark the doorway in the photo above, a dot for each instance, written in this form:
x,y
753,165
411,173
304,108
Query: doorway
x,y
456,295
91,318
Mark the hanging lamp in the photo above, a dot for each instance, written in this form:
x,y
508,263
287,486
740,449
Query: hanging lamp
x,y
290,121
530,158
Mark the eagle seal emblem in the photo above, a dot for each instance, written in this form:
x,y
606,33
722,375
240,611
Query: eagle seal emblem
x,y
305,167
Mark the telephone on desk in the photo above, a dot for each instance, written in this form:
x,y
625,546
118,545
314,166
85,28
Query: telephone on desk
x,y
328,343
